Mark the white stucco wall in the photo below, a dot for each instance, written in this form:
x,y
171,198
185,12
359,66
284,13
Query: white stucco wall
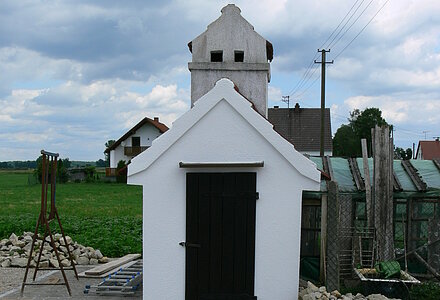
x,y
222,135
147,133
231,32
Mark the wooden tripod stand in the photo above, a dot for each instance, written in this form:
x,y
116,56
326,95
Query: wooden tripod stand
x,y
44,220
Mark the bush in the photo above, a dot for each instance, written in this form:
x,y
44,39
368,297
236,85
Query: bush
x,y
426,291
121,172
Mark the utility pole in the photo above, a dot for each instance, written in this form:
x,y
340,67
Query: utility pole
x,y
323,62
286,99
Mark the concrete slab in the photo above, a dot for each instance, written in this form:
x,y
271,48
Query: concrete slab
x,y
60,292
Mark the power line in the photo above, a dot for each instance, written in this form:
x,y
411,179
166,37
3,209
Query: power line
x,y
329,46
354,22
334,30
308,74
361,30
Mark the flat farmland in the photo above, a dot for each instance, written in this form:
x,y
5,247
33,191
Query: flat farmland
x,y
105,216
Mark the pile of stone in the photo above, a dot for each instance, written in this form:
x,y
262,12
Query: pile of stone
x,y
312,292
14,252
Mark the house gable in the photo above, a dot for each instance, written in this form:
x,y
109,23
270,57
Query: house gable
x,y
222,95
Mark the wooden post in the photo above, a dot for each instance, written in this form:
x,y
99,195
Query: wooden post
x,y
332,263
322,266
368,200
383,196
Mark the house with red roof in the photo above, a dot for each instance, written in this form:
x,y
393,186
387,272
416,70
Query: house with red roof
x,y
133,142
428,150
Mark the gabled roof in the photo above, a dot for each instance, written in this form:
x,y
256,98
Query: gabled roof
x,y
429,149
160,126
223,91
302,127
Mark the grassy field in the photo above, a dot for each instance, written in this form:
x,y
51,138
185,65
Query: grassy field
x,y
105,216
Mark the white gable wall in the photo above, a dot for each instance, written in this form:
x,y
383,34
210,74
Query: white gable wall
x,y
147,133
221,135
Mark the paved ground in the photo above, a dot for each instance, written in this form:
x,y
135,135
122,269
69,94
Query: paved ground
x,y
11,279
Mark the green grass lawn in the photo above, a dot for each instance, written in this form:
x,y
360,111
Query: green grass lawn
x,y
105,216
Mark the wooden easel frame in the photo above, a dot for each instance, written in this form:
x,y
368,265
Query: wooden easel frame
x,y
44,219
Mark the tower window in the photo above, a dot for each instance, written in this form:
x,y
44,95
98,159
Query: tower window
x,y
217,56
239,56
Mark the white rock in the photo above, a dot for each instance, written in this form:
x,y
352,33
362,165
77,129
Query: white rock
x,y
309,297
6,263
93,261
336,293
44,264
28,238
322,289
13,238
19,243
103,260
98,254
19,262
14,248
54,263
82,260
65,263
312,287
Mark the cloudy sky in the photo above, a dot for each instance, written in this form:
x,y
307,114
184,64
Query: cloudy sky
x,y
74,74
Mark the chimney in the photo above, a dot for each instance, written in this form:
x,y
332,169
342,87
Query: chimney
x,y
156,119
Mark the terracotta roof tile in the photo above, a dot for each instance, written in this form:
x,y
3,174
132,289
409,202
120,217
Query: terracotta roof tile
x,y
430,149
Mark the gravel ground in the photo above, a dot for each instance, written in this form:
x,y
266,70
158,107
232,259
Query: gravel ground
x,y
11,278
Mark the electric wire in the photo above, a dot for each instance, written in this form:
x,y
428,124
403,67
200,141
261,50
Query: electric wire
x,y
307,75
334,30
356,36
354,22
342,28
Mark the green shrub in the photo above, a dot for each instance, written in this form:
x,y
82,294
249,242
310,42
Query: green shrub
x,y
426,291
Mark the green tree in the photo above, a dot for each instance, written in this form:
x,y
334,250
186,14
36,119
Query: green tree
x,y
108,144
400,153
347,140
100,163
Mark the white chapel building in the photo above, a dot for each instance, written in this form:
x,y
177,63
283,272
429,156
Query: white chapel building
x,y
221,189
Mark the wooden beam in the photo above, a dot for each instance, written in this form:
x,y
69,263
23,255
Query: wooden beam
x,y
255,164
396,183
322,261
436,163
367,180
354,168
414,175
332,255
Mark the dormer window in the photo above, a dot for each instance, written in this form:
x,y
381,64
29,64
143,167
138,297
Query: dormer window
x,y
239,56
217,56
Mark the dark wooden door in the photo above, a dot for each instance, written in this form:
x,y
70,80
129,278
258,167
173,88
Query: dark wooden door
x,y
220,236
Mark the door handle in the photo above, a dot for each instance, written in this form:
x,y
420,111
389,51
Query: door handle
x,y
190,245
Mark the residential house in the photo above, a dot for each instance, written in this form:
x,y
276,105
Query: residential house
x,y
302,127
133,142
428,150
